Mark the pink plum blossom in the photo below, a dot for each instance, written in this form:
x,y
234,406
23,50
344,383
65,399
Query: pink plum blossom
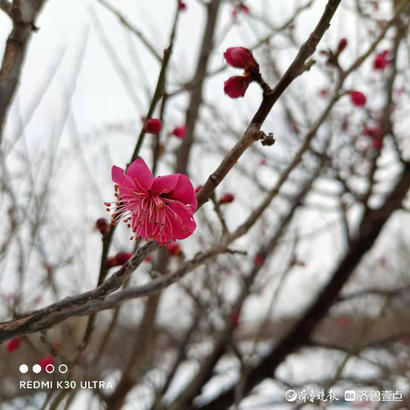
x,y
155,208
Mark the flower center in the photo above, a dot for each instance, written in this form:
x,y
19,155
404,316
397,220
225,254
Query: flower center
x,y
146,213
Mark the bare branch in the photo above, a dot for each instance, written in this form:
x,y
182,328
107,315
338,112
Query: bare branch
x,y
23,15
5,5
102,297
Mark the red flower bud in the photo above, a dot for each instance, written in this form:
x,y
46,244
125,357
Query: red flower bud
x,y
235,319
236,86
45,361
122,257
241,57
181,5
227,199
258,260
342,45
380,60
179,131
152,126
198,188
148,259
118,260
14,344
102,225
174,249
357,98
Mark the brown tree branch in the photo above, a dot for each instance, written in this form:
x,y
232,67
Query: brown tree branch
x,y
103,297
5,5
57,312
23,15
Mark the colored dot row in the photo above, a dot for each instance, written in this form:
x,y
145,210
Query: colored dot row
x,y
50,368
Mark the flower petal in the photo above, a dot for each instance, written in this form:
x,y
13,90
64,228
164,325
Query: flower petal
x,y
184,192
119,178
138,170
165,184
183,224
